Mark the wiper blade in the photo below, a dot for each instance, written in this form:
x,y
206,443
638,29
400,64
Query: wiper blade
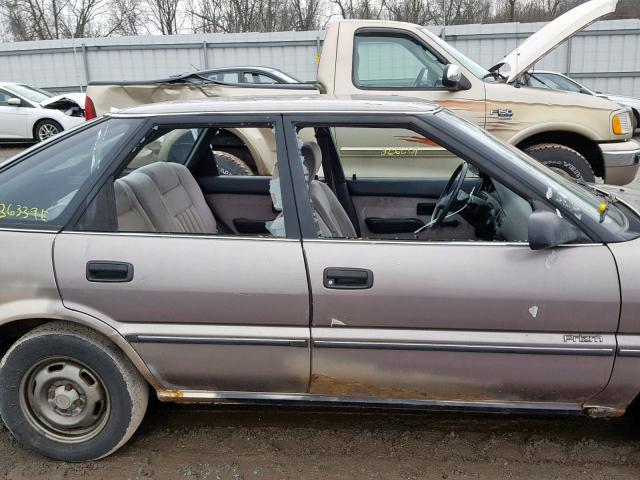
x,y
495,74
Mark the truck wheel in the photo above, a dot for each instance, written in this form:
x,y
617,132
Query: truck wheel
x,y
229,164
45,129
69,394
563,160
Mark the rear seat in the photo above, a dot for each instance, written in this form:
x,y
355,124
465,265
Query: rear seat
x,y
162,197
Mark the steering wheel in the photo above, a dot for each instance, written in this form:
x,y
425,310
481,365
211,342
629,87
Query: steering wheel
x,y
418,80
448,196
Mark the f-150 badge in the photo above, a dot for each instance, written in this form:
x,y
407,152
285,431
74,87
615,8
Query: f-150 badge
x,y
502,113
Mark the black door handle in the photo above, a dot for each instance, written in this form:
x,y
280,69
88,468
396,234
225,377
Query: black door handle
x,y
348,278
103,271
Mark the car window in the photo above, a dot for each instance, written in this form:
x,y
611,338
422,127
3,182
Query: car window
x,y
173,185
166,145
38,189
391,153
253,77
386,196
36,95
395,61
4,98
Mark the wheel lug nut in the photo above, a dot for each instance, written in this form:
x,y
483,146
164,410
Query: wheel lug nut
x,y
68,387
52,395
78,403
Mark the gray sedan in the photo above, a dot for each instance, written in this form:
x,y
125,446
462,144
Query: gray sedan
x,y
132,265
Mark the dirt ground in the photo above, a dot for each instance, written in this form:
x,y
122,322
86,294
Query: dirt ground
x,y
195,442
241,443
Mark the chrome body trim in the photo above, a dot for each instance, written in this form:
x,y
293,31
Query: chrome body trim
x,y
288,398
629,352
286,342
444,347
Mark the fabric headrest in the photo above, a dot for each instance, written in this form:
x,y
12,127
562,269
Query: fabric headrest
x,y
312,157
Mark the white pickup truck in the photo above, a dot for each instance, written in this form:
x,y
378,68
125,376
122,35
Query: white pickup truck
x,y
581,136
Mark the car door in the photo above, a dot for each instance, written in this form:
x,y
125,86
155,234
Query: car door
x,y
13,119
476,323
212,312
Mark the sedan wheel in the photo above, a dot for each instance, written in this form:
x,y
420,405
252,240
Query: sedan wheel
x,y
70,394
47,129
65,400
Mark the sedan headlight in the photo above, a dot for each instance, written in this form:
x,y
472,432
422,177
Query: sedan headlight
x,y
621,123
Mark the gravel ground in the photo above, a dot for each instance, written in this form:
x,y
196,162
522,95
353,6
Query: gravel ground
x,y
240,442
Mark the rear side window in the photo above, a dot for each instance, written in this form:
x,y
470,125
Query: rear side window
x,y
37,191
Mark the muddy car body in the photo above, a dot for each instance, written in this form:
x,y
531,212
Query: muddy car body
x,y
496,289
584,137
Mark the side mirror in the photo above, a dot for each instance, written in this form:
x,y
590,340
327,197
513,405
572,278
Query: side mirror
x,y
547,230
14,102
453,79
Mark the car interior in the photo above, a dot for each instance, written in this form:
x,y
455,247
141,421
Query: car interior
x,y
173,185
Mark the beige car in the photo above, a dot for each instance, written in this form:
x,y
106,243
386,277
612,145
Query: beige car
x,y
506,287
581,136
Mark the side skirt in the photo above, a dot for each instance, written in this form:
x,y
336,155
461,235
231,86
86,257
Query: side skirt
x,y
199,396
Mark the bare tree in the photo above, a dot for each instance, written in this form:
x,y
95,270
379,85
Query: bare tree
x,y
371,9
416,11
125,17
164,15
52,19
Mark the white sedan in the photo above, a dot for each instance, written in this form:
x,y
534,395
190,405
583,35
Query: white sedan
x,y
29,113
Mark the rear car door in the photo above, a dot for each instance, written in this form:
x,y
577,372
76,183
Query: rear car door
x,y
449,317
207,311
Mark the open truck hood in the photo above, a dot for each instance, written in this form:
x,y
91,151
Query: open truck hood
x,y
551,35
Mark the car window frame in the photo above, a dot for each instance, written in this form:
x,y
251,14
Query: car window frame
x,y
394,32
426,125
186,121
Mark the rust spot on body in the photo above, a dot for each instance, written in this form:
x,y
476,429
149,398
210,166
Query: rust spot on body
x,y
327,385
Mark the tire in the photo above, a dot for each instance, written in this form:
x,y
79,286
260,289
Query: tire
x,y
564,160
69,394
229,164
45,129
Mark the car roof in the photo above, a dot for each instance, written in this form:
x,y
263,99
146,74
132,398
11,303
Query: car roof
x,y
9,84
286,104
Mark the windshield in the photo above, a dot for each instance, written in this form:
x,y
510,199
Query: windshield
x,y
34,94
465,61
581,202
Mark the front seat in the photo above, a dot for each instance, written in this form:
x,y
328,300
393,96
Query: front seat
x,y
332,217
164,196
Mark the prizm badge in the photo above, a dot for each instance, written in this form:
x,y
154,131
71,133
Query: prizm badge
x,y
502,113
579,338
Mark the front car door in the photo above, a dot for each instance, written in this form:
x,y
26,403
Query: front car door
x,y
13,119
208,309
475,322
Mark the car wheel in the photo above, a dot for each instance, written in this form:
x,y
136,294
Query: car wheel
x,y
69,394
563,160
46,128
229,164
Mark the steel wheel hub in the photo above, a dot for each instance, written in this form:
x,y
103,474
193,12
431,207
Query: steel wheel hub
x,y
65,400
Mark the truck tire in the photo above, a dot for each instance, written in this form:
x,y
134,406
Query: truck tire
x,y
69,394
229,164
564,160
